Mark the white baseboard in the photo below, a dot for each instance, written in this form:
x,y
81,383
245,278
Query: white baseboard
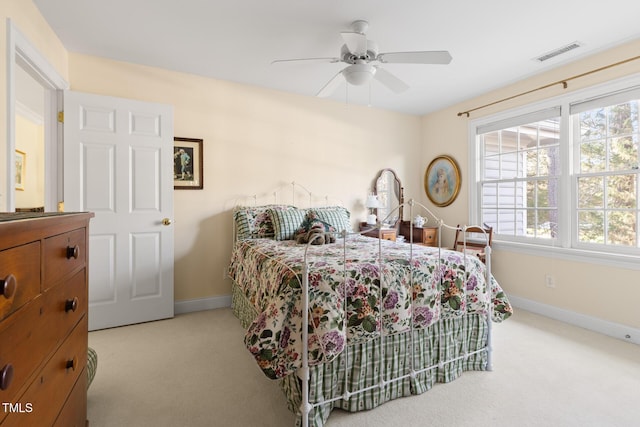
x,y
605,327
200,304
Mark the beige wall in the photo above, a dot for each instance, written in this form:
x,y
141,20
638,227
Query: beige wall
x,y
254,141
606,293
26,17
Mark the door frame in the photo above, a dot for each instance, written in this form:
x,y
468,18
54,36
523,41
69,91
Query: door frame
x,y
22,53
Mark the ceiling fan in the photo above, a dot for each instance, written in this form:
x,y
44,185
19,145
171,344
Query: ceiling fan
x,y
361,54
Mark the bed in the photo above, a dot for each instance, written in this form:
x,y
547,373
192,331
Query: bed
x,y
385,319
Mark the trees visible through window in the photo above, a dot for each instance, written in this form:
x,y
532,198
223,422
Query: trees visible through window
x,y
606,139
567,175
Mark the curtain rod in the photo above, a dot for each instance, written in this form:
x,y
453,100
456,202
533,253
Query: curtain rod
x,y
562,82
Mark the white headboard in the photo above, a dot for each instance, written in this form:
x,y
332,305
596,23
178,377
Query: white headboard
x,y
291,193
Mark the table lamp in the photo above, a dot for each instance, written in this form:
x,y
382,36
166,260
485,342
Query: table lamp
x,y
372,203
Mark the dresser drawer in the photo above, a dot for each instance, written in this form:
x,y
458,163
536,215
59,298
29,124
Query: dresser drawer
x,y
24,342
430,236
63,254
74,413
19,277
51,387
388,235
65,305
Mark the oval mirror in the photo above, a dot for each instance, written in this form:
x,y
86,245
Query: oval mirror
x,y
389,190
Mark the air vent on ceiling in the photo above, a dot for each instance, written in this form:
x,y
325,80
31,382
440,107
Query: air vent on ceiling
x,y
559,51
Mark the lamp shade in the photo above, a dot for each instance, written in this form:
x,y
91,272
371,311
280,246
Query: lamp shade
x,y
372,202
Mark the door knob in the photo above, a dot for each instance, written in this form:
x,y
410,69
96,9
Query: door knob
x,y
166,221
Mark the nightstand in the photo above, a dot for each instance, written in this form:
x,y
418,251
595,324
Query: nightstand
x,y
382,233
427,236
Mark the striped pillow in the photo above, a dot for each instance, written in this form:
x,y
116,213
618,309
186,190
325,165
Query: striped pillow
x,y
286,222
336,216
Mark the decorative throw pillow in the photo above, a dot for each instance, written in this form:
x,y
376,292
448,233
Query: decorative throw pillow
x,y
337,216
254,222
286,222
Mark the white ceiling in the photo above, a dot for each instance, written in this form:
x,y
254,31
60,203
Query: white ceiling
x,y
493,42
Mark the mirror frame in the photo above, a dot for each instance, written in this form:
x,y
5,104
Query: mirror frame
x,y
398,186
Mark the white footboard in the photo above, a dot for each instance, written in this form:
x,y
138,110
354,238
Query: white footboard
x,y
384,380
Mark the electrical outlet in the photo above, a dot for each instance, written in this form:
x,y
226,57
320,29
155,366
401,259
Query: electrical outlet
x,y
550,281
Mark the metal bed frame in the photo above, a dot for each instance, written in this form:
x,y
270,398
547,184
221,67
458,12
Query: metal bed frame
x,y
303,373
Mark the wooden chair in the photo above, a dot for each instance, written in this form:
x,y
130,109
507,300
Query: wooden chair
x,y
472,240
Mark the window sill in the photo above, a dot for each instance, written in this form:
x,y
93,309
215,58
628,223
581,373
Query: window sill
x,y
629,262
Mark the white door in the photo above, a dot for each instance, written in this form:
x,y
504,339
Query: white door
x,y
118,163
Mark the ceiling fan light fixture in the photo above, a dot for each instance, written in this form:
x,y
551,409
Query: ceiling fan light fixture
x,y
360,54
359,74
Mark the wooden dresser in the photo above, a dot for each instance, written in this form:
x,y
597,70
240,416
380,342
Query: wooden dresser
x,y
428,236
43,319
380,233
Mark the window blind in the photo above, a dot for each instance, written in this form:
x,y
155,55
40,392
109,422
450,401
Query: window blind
x,y
613,98
524,119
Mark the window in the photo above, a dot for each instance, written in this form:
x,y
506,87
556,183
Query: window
x,y
563,173
605,138
521,166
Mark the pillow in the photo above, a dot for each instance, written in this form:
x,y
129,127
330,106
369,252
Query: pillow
x,y
255,222
337,216
286,222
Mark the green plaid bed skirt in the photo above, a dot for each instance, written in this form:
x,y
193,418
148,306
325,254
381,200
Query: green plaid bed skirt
x,y
360,366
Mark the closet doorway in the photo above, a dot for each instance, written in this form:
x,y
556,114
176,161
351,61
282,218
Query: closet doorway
x,y
29,143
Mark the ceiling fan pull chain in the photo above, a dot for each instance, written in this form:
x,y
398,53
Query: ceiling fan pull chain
x,y
346,94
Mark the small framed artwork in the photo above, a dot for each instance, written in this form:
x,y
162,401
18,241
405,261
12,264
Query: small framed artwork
x,y
442,180
21,160
187,164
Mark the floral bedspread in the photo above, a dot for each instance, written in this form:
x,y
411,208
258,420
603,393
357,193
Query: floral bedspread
x,y
386,295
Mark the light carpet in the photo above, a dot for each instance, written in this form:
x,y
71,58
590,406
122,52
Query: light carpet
x,y
193,370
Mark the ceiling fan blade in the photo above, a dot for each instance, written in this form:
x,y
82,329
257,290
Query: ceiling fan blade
x,y
331,86
330,60
420,57
356,42
389,80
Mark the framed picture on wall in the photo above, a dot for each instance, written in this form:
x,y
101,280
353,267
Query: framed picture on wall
x,y
187,164
442,180
21,159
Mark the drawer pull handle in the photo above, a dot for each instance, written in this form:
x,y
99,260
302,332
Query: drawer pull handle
x,y
71,304
8,286
73,252
72,363
6,376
